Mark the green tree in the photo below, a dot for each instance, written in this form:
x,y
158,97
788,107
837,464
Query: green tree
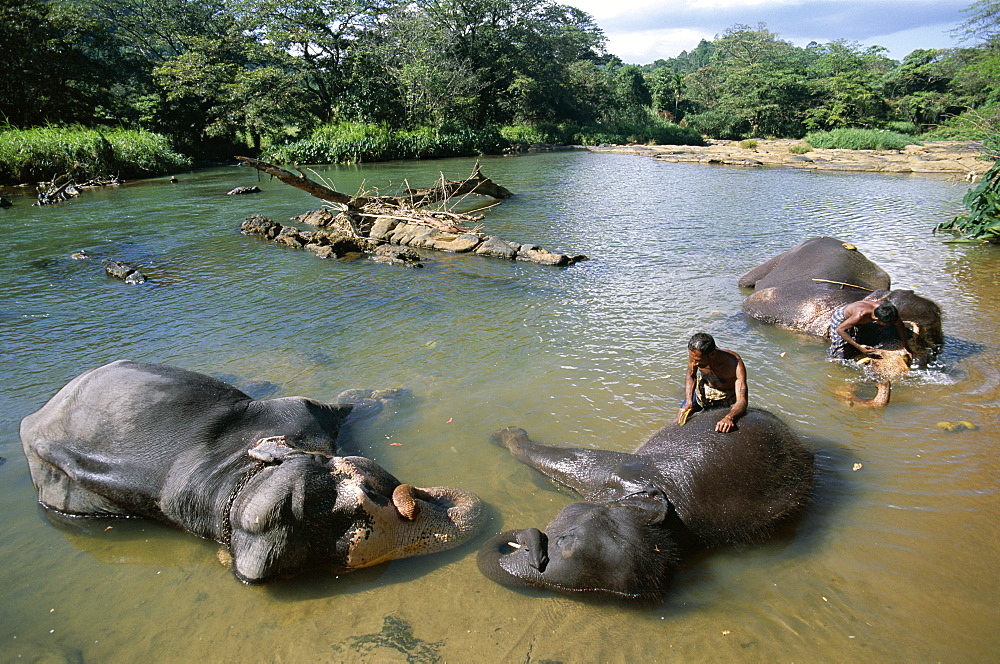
x,y
52,69
322,36
920,88
521,53
666,87
846,84
755,86
433,87
983,23
631,93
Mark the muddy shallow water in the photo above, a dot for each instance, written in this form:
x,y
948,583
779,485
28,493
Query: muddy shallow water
x,y
894,561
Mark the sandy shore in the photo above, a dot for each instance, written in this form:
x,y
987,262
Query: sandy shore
x,y
959,158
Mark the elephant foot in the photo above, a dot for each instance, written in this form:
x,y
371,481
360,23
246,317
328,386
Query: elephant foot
x,y
509,437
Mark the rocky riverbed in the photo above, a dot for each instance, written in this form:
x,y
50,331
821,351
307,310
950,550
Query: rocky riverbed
x,y
957,158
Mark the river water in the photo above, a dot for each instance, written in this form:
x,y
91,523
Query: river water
x,y
896,560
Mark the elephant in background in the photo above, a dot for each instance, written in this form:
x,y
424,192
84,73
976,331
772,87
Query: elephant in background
x,y
263,478
687,486
801,288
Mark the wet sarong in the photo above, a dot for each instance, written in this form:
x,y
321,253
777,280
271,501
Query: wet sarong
x,y
707,395
837,343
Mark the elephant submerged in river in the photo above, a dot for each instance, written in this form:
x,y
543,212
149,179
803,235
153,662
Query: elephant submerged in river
x,y
262,477
686,486
802,288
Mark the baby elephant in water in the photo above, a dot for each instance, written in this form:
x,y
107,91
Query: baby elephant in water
x,y
686,484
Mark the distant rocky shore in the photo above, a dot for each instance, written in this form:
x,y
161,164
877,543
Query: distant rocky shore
x,y
959,158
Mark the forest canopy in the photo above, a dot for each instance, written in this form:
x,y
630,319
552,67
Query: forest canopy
x,y
224,76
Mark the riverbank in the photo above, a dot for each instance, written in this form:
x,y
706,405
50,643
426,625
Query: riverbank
x,y
959,158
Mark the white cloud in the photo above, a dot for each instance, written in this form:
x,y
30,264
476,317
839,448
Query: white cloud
x,y
645,46
641,31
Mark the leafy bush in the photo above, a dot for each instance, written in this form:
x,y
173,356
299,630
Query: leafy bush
x,y
859,139
983,202
799,148
972,125
32,155
525,134
353,143
748,144
718,124
657,133
907,128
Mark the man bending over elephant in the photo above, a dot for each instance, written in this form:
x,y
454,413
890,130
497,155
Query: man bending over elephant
x,y
715,378
846,320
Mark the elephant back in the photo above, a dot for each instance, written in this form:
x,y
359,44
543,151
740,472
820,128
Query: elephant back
x,y
824,258
732,487
801,288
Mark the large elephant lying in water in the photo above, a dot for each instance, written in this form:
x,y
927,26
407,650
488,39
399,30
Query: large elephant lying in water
x,y
261,477
801,288
685,483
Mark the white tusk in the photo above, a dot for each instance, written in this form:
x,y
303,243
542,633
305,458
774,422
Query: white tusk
x,y
514,544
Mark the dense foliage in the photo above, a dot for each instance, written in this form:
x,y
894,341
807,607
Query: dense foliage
x,y
289,78
983,202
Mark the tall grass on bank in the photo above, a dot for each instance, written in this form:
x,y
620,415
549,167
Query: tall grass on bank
x,y
41,153
357,142
860,139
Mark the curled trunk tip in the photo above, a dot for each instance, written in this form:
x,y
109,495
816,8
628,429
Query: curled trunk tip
x,y
402,498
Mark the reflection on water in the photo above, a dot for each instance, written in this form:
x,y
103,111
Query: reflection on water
x,y
894,561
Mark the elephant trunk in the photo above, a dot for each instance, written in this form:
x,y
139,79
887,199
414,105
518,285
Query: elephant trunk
x,y
419,521
880,400
405,496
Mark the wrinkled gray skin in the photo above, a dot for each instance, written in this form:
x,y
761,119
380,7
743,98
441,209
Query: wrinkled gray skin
x,y
787,293
261,477
794,290
687,484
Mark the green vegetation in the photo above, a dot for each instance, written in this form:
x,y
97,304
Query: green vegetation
x,y
982,223
749,143
353,142
41,153
311,80
983,202
859,139
799,148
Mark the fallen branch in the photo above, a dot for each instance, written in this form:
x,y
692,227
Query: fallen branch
x,y
474,184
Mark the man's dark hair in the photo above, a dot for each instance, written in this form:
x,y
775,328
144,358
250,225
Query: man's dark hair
x,y
703,342
886,313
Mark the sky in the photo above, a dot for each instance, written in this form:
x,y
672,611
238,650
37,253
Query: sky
x,y
642,31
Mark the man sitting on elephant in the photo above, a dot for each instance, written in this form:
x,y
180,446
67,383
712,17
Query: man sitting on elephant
x,y
715,378
847,319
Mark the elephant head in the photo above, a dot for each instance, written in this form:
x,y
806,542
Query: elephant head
x,y
618,549
885,367
305,510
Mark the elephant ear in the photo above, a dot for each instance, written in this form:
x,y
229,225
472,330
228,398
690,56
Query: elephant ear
x,y
272,517
653,502
257,557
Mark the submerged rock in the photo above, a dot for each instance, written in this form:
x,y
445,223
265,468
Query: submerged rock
x,y
120,270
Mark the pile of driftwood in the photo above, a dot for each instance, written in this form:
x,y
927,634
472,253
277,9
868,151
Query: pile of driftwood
x,y
415,218
65,187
